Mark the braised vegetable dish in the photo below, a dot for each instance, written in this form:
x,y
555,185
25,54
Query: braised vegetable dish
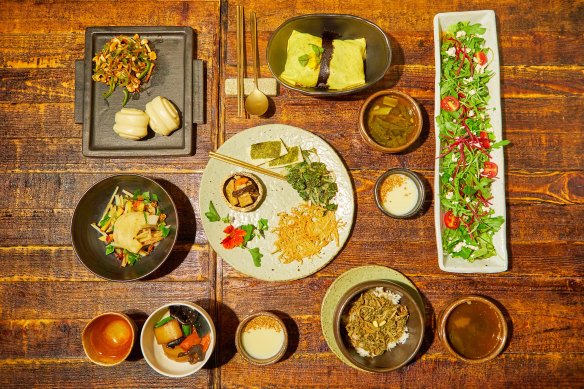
x,y
180,335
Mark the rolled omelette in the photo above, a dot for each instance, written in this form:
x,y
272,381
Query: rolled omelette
x,y
304,67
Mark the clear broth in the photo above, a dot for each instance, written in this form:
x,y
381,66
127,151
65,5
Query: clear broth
x,y
473,330
390,121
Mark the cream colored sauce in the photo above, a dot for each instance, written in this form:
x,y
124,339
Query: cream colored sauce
x,y
262,343
126,228
399,199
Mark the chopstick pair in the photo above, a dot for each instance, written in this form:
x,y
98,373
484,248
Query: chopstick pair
x,y
246,165
240,63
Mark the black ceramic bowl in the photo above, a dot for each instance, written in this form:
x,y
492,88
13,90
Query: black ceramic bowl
x,y
91,251
401,354
347,27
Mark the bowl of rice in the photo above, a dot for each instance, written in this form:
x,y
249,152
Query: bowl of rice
x,y
379,326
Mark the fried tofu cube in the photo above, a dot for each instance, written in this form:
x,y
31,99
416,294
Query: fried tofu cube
x,y
245,200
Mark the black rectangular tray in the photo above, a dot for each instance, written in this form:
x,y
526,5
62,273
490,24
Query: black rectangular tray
x,y
177,77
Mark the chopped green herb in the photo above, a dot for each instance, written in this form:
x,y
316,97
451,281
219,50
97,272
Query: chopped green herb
x,y
137,193
146,217
226,219
109,249
256,256
249,229
146,196
154,197
212,215
104,221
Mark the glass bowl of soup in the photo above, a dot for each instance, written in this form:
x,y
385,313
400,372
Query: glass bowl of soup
x,y
390,121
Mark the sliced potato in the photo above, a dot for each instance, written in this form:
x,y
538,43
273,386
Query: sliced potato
x,y
168,332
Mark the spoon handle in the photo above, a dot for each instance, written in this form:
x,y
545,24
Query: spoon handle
x,y
254,46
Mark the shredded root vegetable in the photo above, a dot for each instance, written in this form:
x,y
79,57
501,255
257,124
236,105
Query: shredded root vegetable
x,y
305,231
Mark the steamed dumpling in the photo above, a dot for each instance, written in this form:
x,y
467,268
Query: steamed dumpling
x,y
131,123
164,117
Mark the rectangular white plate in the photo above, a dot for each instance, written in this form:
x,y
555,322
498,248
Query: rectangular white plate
x,y
448,263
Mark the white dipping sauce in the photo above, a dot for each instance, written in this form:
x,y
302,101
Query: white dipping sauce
x,y
262,339
398,194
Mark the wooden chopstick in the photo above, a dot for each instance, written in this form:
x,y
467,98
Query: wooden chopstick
x,y
240,40
246,165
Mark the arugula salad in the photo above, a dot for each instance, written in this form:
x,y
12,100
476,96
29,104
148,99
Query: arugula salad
x,y
466,142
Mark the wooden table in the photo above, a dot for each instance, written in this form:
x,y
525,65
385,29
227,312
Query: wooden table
x,y
47,296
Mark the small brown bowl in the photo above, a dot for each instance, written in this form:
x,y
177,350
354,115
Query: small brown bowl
x,y
402,353
364,131
101,334
253,205
243,352
443,318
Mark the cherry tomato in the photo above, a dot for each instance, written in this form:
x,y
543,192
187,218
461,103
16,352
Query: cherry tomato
x,y
450,103
484,140
490,170
451,221
481,58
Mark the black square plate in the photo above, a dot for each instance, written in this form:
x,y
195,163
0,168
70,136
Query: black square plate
x,y
177,77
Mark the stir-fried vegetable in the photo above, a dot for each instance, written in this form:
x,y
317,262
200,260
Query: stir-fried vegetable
x,y
149,219
124,61
467,139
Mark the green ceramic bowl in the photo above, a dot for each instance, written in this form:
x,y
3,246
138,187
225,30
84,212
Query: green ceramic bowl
x,y
91,251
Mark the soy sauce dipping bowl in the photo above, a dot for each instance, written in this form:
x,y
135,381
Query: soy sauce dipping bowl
x,y
411,103
401,354
378,55
91,251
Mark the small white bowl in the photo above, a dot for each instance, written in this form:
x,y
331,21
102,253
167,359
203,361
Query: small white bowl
x,y
154,354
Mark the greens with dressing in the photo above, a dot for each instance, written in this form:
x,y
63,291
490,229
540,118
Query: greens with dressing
x,y
467,140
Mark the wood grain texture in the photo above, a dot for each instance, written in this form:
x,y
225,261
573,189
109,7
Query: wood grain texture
x,y
47,296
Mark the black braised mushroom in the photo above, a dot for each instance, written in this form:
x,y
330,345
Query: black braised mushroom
x,y
175,342
183,314
195,353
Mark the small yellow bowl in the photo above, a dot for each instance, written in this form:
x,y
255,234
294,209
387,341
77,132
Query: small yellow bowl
x,y
108,338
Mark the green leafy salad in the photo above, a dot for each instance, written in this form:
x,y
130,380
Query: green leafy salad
x,y
466,142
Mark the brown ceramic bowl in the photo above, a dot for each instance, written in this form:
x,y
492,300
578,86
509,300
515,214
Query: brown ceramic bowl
x,y
241,349
253,205
443,318
108,338
364,131
401,354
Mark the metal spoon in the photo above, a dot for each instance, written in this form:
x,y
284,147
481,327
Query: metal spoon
x,y
256,103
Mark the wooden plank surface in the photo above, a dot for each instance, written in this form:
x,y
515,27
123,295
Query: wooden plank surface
x,y
47,296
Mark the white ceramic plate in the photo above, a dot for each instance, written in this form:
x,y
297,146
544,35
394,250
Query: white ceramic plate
x,y
279,197
448,263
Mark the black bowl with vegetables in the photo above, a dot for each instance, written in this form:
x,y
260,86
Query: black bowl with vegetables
x,y
147,221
